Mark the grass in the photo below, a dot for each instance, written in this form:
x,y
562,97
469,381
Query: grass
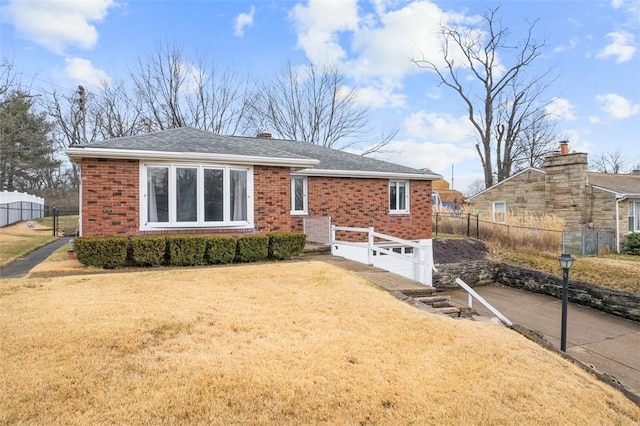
x,y
616,271
277,343
18,240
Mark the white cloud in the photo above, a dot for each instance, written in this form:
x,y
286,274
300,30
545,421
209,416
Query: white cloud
x,y
420,155
243,20
560,109
57,24
594,119
380,97
81,71
439,127
622,46
564,47
617,106
318,24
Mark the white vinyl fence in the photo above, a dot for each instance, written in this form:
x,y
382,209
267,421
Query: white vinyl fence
x,y
18,206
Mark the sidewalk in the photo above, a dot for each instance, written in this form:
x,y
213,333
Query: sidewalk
x,y
606,342
22,266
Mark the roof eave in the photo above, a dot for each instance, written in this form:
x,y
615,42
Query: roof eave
x,y
365,174
129,154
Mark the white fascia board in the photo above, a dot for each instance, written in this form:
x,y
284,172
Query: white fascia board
x,y
130,154
365,174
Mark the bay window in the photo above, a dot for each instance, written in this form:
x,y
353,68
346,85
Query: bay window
x,y
398,196
176,195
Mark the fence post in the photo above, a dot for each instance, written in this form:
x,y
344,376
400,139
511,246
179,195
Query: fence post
x,y
468,225
370,246
437,213
478,226
55,221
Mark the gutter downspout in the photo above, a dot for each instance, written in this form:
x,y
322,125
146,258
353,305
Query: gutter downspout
x,y
618,199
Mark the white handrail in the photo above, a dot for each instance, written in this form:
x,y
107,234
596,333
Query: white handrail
x,y
480,299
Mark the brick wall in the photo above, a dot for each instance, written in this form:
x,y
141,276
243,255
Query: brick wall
x,y
365,203
110,202
272,199
110,197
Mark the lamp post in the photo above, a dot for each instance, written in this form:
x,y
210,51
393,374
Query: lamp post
x,y
566,260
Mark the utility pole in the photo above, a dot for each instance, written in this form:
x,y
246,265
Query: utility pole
x,y
83,111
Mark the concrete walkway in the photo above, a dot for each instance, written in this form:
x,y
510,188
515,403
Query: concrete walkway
x,y
610,344
22,266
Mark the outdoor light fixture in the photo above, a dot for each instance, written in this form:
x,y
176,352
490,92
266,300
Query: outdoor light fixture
x,y
566,261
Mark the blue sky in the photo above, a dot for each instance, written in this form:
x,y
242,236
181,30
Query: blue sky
x,y
591,45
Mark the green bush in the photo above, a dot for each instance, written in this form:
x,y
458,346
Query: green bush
x,y
220,250
103,252
252,248
632,244
185,250
285,245
148,250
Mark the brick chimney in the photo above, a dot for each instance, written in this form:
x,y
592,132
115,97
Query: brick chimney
x,y
264,135
564,147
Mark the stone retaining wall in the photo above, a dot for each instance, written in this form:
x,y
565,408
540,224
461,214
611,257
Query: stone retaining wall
x,y
485,272
620,303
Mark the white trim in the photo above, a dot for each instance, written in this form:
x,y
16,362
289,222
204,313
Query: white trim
x,y
198,157
305,191
365,174
173,224
407,197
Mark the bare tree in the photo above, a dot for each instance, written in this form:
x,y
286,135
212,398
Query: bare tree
x,y
314,105
610,162
537,140
475,187
505,98
176,91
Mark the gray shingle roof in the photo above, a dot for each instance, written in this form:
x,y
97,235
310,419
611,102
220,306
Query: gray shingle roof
x,y
622,184
187,139
190,140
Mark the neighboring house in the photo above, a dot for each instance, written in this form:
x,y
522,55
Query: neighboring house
x,y
565,188
450,199
187,180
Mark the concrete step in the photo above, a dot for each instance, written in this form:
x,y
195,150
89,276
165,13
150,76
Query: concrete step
x,y
423,291
430,300
451,311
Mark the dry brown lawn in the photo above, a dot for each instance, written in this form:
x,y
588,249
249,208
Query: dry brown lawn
x,y
277,343
18,240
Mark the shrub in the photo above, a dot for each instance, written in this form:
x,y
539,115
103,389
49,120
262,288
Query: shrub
x,y
220,250
185,250
148,250
103,252
285,245
252,248
632,244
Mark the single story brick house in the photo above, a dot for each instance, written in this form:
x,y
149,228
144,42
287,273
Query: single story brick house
x,y
564,187
186,180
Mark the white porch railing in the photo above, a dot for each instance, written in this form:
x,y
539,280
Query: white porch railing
x,y
410,259
472,294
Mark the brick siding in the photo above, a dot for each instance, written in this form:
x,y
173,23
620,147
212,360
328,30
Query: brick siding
x,y
110,202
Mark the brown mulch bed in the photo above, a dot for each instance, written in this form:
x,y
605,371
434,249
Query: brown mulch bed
x,y
455,250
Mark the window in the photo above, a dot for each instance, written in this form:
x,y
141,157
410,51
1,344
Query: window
x,y
176,195
299,195
634,216
398,196
500,211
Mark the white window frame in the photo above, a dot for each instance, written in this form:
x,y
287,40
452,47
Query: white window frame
x,y
406,197
305,204
634,216
495,211
200,222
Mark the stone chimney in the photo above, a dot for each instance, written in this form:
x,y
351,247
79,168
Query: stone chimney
x,y
264,135
565,186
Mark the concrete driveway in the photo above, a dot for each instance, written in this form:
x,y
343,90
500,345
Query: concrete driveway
x,y
608,343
